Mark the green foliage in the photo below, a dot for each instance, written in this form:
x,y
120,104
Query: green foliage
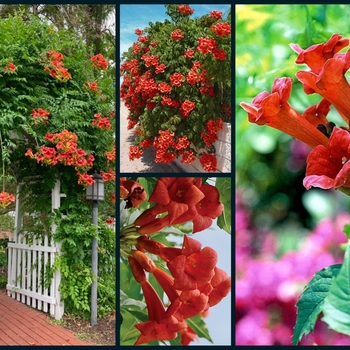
x,y
336,308
27,41
223,184
311,302
3,281
71,106
3,255
75,232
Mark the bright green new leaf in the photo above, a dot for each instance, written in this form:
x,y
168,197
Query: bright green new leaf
x,y
223,184
336,307
346,230
311,301
199,326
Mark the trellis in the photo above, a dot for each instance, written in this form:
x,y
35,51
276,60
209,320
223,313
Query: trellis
x,y
31,278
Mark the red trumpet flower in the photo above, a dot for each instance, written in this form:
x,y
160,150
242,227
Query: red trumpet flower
x,y
183,199
316,56
132,192
274,110
162,324
328,167
194,266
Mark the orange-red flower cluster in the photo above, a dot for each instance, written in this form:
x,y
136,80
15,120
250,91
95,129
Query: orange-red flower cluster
x,y
187,107
209,45
206,45
113,198
101,122
111,154
160,68
212,128
10,67
177,35
215,14
135,152
194,285
185,9
110,176
208,161
176,79
110,221
6,199
188,157
64,152
221,29
54,65
184,199
98,61
91,86
150,60
142,39
139,31
136,48
164,87
162,145
40,116
189,53
85,179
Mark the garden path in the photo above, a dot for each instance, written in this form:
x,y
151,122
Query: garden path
x,y
146,163
22,325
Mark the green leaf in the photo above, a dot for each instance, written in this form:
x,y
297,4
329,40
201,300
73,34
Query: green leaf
x,y
199,326
336,307
128,333
346,230
311,301
223,184
129,302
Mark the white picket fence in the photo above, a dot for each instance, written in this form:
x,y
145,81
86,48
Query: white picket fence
x,y
29,262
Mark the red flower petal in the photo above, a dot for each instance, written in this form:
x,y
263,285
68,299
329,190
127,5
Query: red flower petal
x,y
160,194
190,246
328,167
222,286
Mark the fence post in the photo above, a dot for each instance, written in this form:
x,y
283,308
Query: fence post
x,y
59,307
12,253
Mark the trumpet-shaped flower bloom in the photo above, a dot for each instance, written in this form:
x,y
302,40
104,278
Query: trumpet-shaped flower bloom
x,y
316,56
184,200
132,192
330,83
328,167
172,195
317,114
221,286
161,324
194,266
273,110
